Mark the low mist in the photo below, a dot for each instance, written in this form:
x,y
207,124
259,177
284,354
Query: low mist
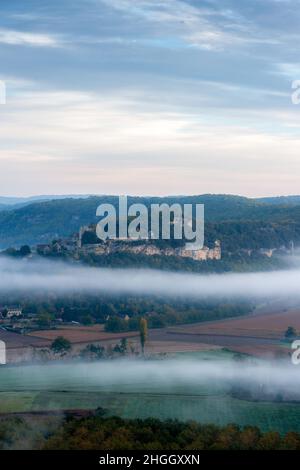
x,y
52,276
162,376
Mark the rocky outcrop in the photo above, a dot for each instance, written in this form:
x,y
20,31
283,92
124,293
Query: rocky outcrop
x,y
150,249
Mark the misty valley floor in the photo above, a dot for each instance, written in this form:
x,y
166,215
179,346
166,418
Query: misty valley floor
x,y
48,388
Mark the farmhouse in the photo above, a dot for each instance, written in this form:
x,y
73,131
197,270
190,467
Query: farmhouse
x,y
204,253
10,311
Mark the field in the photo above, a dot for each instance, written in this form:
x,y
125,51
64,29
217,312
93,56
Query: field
x,y
266,326
206,409
260,334
14,340
73,386
20,347
81,334
259,347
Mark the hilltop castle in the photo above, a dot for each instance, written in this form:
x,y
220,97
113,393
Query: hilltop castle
x,y
87,242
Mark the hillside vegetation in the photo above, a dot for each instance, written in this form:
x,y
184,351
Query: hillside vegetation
x,y
237,221
113,433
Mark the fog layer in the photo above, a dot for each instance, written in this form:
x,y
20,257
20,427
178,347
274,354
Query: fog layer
x,y
171,375
37,276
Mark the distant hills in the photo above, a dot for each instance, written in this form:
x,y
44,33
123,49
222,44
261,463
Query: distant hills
x,y
286,200
10,203
237,221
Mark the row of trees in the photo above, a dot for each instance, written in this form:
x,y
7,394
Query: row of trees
x,y
86,309
170,316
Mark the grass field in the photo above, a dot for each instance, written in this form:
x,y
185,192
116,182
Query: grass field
x,y
219,409
71,386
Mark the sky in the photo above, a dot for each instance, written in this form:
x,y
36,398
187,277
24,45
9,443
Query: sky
x,y
149,97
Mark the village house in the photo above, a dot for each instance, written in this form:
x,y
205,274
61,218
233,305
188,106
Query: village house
x,y
10,311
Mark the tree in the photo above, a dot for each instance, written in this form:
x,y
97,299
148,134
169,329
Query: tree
x,y
87,320
25,250
269,441
44,320
92,351
116,324
122,347
42,355
290,332
249,438
4,313
143,333
61,345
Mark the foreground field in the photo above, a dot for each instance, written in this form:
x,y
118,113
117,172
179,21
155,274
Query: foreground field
x,y
218,409
145,391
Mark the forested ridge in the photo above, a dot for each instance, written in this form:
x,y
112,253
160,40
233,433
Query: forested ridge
x,y
236,221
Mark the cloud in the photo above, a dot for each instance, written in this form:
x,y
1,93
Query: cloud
x,y
82,139
210,28
289,70
190,23
21,38
145,101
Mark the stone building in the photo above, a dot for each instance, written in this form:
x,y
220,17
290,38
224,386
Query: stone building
x,y
148,247
10,311
204,253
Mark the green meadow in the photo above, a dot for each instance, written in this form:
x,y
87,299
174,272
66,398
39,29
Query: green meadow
x,y
45,388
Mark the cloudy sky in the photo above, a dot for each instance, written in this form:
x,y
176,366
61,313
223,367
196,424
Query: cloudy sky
x,y
149,97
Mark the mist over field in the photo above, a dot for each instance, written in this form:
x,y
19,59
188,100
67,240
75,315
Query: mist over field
x,y
41,276
168,375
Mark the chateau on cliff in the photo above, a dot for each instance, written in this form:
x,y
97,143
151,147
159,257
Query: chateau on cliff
x,y
87,243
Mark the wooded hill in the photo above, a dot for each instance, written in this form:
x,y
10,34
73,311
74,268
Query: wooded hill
x,y
238,222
